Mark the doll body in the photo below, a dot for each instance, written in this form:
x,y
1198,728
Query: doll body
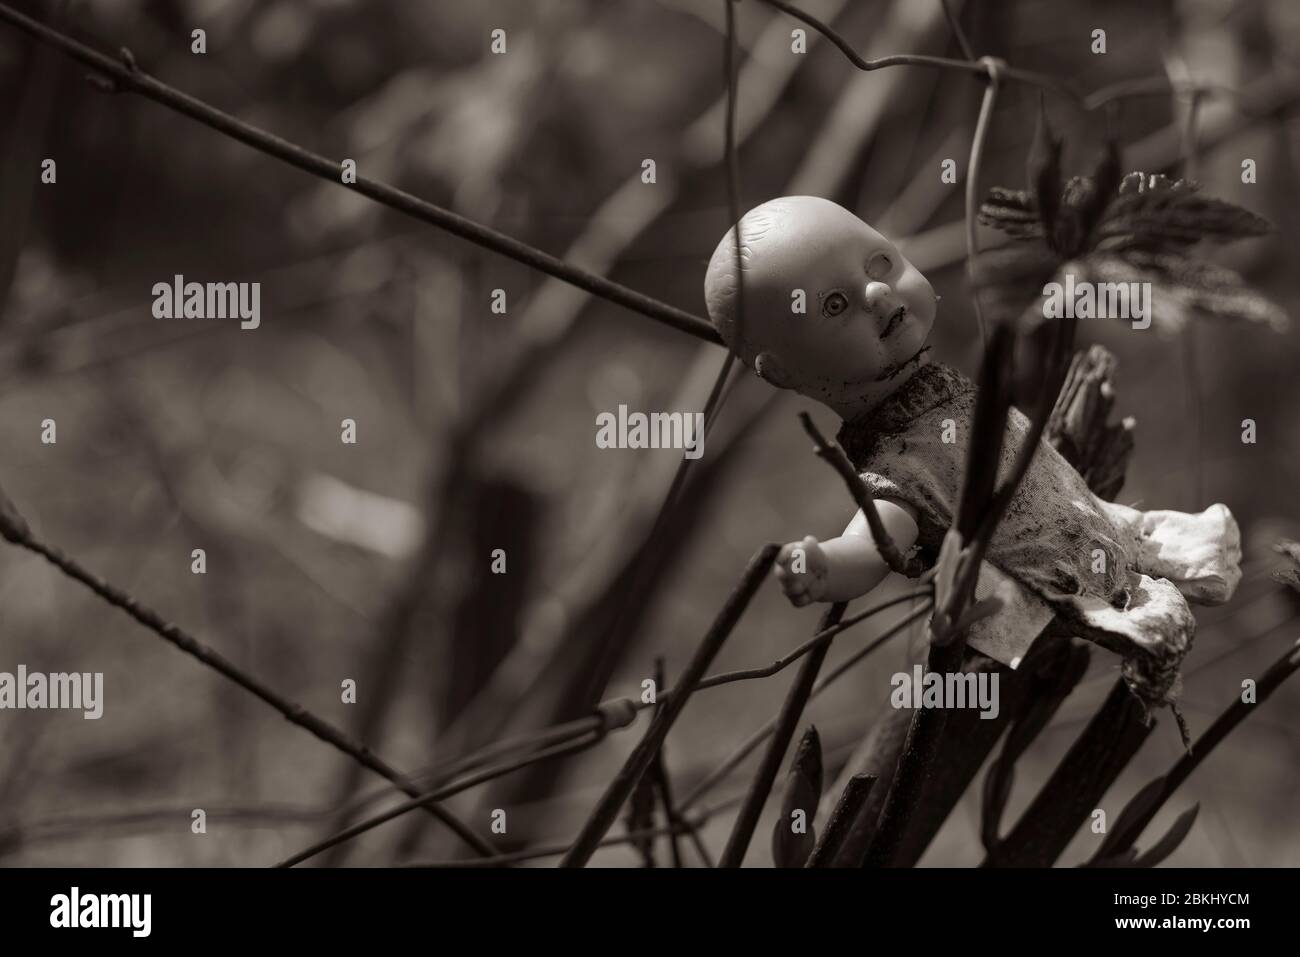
x,y
1110,573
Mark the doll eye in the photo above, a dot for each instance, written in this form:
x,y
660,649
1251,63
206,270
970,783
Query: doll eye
x,y
879,266
834,304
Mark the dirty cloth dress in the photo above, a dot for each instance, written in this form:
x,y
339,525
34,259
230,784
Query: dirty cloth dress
x,y
1109,573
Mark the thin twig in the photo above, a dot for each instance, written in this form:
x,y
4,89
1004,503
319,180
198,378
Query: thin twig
x,y
662,785
606,810
617,633
556,734
553,850
616,713
1123,836
973,169
296,713
732,165
833,455
690,825
913,59
613,229
787,722
646,560
1191,368
955,26
440,794
822,636
1161,86
123,75
758,737
83,827
1141,86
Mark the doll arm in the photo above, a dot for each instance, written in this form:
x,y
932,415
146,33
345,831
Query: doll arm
x,y
843,568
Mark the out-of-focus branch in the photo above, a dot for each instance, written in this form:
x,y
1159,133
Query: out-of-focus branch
x,y
14,528
688,825
978,67
1143,86
613,228
17,185
124,75
954,24
974,167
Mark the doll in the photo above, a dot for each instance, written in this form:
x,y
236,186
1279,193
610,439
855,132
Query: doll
x,y
1113,574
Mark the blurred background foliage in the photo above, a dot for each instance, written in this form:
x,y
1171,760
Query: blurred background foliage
x,y
328,561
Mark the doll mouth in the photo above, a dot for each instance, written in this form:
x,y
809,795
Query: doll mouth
x,y
895,320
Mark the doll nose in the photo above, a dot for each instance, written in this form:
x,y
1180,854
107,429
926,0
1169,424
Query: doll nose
x,y
877,296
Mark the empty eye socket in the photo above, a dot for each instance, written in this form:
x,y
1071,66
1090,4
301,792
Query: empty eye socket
x,y
835,304
879,266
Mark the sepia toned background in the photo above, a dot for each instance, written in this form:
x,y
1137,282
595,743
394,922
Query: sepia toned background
x,y
371,562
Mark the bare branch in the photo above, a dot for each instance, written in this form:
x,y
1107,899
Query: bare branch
x,y
124,76
15,530
787,721
833,455
621,786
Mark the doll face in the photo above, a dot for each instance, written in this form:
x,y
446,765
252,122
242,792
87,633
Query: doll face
x,y
868,311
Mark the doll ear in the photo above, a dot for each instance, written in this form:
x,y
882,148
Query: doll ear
x,y
771,371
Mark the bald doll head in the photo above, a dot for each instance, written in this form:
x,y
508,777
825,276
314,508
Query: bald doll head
x,y
831,308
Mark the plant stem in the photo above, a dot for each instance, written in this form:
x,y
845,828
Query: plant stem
x,y
841,821
787,722
833,455
1123,838
973,168
662,784
1088,769
606,810
922,744
758,737
822,636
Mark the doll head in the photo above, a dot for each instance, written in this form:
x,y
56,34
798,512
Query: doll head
x,y
866,311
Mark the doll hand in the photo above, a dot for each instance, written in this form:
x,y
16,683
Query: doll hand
x,y
801,569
